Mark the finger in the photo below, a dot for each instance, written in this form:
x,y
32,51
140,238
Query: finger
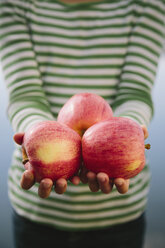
x,y
104,182
60,186
83,175
145,131
122,185
18,138
27,180
92,181
28,166
45,187
75,180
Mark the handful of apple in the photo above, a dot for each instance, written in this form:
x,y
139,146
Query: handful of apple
x,y
85,129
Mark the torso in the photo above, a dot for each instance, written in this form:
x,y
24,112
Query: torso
x,y
84,49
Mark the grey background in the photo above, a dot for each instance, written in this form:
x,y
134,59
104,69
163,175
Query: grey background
x,y
155,234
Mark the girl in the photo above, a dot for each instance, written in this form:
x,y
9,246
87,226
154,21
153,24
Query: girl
x,y
51,50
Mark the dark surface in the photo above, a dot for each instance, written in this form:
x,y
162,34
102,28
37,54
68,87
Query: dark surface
x,y
34,235
155,235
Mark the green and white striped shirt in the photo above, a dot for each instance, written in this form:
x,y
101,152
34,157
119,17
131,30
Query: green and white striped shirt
x,y
52,50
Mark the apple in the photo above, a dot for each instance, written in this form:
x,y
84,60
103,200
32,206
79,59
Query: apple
x,y
84,110
53,150
115,146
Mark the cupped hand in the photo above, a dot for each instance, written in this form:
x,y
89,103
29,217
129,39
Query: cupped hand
x,y
102,182
46,184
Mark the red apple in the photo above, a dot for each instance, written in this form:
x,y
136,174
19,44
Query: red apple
x,y
114,146
83,110
53,150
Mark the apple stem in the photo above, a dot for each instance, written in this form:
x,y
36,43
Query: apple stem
x,y
24,155
24,161
147,146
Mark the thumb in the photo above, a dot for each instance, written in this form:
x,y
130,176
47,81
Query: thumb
x,y
145,131
18,138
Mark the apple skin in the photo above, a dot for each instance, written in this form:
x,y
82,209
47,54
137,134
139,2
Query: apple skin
x,y
83,110
114,146
53,150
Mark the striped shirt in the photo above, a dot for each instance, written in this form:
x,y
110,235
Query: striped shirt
x,y
51,50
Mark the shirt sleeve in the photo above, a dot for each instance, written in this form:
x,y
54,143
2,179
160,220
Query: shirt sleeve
x,y
27,101
134,91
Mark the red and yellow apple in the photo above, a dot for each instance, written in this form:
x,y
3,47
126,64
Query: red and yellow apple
x,y
83,110
53,150
115,146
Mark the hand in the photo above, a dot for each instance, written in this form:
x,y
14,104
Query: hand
x,y
45,186
102,182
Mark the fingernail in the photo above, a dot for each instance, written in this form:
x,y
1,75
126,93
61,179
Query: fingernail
x,y
46,185
28,176
77,181
62,185
103,179
120,183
